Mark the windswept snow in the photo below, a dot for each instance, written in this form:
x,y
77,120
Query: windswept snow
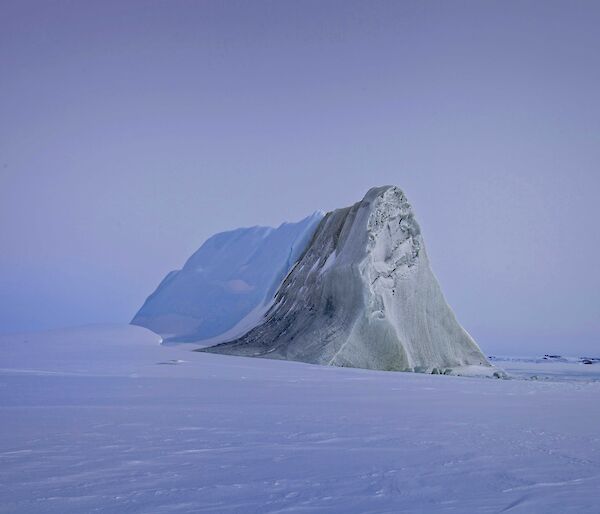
x,y
227,285
108,420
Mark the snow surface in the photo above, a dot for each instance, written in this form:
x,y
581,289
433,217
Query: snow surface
x,y
105,419
543,368
225,288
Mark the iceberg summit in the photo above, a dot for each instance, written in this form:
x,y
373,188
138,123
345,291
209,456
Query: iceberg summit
x,y
360,293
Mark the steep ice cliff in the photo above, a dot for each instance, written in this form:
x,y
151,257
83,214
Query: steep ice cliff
x,y
363,295
227,285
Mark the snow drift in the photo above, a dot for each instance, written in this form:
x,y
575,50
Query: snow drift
x,y
227,285
363,295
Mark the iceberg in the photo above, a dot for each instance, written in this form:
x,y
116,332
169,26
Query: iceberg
x,y
363,295
227,285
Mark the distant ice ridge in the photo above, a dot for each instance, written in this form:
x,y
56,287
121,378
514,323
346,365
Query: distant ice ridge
x,y
225,288
363,295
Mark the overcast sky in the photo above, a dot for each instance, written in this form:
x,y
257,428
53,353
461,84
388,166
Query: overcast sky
x,y
132,131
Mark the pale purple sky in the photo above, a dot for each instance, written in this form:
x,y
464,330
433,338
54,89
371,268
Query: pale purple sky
x,y
132,131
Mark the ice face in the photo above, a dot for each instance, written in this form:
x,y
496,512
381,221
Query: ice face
x,y
227,285
363,295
